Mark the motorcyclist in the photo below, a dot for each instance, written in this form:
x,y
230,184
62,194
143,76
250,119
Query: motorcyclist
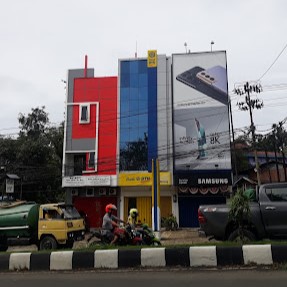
x,y
110,223
133,218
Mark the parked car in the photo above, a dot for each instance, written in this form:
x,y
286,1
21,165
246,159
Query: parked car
x,y
268,216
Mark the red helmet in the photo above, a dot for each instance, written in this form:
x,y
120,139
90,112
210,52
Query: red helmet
x,y
110,207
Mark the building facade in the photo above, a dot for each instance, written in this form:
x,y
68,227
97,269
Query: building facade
x,y
90,143
170,109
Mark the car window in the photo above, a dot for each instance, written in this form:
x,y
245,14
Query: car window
x,y
277,194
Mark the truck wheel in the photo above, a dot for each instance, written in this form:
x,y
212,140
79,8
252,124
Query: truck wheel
x,y
48,243
247,236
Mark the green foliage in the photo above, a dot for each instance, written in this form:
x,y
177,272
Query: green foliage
x,y
169,222
34,125
239,210
36,157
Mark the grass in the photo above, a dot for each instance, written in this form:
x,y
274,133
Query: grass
x,y
217,243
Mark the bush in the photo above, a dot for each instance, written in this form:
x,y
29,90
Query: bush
x,y
240,211
169,222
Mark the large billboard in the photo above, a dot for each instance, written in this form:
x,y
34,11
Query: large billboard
x,y
200,115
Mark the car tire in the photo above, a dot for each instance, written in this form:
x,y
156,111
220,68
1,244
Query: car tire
x,y
48,243
247,236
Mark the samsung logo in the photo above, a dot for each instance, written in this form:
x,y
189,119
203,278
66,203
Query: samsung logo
x,y
212,181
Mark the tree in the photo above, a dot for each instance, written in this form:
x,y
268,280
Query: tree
x,y
35,124
39,157
239,214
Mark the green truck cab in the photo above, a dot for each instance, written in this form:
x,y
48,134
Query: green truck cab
x,y
49,226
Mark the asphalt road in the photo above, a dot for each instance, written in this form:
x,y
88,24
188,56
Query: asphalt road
x,y
150,278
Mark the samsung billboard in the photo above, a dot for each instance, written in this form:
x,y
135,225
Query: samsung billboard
x,y
201,116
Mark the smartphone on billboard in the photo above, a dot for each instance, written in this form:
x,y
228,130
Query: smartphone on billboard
x,y
215,77
189,77
211,82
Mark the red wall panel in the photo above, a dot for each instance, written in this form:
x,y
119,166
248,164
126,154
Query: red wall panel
x,y
104,91
94,208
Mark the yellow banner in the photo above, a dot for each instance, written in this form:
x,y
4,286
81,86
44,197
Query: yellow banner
x,y
152,58
143,179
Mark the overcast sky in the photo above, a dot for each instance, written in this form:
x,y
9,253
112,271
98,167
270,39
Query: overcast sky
x,y
41,40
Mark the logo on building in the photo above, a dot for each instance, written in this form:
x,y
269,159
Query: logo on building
x,y
152,58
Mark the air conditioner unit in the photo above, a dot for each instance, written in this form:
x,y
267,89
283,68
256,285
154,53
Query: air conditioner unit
x,y
90,192
75,192
102,191
112,191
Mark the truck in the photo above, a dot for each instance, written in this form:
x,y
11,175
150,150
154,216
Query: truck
x,y
267,220
49,226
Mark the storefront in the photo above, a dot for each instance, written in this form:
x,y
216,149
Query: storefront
x,y
136,192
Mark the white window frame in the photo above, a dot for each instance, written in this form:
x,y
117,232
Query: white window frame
x,y
87,120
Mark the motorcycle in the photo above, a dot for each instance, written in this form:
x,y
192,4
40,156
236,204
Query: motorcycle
x,y
147,235
126,236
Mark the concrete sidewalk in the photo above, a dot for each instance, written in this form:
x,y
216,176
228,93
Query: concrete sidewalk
x,y
188,236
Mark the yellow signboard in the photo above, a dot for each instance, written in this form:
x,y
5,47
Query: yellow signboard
x,y
152,58
142,179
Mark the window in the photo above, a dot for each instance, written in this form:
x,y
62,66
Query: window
x,y
90,192
79,164
277,194
134,115
91,163
84,114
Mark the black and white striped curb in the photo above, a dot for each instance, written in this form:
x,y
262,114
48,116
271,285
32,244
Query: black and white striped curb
x,y
200,256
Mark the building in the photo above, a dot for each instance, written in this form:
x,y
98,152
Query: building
x,y
173,110
90,143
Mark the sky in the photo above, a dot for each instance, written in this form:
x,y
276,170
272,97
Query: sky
x,y
41,40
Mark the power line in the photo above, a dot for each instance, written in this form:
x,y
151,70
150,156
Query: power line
x,y
273,63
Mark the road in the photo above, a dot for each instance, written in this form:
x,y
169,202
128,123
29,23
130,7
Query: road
x,y
150,278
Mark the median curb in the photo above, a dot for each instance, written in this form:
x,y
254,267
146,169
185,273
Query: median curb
x,y
195,256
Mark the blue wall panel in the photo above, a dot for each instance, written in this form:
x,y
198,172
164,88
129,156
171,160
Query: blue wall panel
x,y
152,115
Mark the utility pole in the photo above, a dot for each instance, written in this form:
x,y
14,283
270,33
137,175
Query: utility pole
x,y
249,105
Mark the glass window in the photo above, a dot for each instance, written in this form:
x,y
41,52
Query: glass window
x,y
70,212
91,163
134,134
277,194
125,109
125,80
134,108
133,118
142,80
125,67
125,94
142,67
125,122
84,114
143,108
134,80
134,67
143,93
134,94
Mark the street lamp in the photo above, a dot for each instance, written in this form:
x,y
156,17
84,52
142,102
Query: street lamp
x,y
185,45
211,43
